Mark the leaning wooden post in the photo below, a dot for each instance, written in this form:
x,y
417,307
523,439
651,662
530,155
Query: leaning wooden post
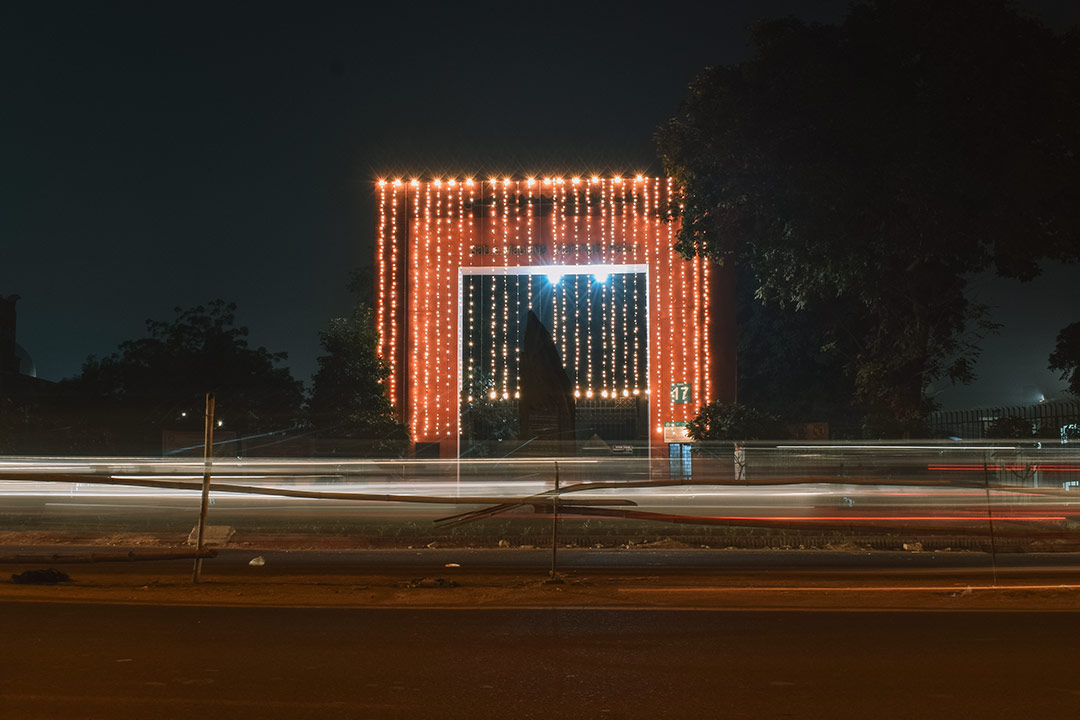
x,y
208,455
554,579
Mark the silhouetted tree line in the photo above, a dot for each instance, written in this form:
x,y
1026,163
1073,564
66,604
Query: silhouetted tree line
x,y
859,174
121,404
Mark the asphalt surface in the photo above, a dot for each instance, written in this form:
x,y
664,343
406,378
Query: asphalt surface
x,y
118,662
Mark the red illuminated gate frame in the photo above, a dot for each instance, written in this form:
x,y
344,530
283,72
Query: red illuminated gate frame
x,y
432,234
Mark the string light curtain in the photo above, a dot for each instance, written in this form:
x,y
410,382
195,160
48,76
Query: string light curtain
x,y
460,262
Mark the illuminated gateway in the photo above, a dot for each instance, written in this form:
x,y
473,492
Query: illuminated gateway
x,y
645,335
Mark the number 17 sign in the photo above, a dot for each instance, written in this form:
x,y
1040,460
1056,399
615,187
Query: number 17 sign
x,y
680,393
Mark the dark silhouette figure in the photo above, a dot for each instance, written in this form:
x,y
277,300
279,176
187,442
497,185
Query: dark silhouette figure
x,y
544,385
9,361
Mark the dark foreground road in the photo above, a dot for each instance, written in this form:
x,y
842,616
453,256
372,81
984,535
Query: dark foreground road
x,y
120,661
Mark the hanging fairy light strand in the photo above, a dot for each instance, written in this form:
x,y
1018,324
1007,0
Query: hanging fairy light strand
x,y
391,287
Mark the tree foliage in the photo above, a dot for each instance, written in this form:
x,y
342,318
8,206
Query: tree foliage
x,y
1066,356
159,382
1011,428
791,363
348,397
735,421
878,164
486,421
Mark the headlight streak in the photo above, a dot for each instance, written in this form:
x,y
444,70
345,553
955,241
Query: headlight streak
x,y
920,494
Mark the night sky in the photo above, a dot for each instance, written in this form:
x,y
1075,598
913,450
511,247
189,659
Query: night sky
x,y
155,155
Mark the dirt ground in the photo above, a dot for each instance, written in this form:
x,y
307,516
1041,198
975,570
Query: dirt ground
x,y
170,583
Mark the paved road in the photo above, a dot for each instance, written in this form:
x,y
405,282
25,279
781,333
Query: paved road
x,y
118,662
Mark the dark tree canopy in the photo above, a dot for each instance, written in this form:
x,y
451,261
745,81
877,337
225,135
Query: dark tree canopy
x,y
159,382
735,422
348,397
1066,356
880,163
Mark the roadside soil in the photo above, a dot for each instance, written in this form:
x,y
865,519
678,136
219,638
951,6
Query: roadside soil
x,y
454,586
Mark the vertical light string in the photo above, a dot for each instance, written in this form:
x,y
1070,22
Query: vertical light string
x,y
439,329
563,282
624,340
427,309
577,335
464,240
493,307
635,363
655,391
680,303
603,291
471,315
506,291
417,307
587,194
380,253
705,291
394,295
564,335
517,278
574,224
613,224
696,293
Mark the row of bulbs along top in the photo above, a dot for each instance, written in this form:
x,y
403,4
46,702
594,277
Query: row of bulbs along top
x,y
468,182
493,395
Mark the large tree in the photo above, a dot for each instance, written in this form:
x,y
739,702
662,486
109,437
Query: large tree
x,y
880,163
122,402
348,396
1066,356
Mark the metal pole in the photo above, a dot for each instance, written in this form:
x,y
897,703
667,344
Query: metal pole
x,y
990,518
554,579
208,455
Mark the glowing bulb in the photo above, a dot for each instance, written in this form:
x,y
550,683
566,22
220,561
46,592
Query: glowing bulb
x,y
532,182
415,183
600,277
506,396
595,179
452,182
626,393
616,179
639,178
637,391
397,182
577,393
575,180
493,395
588,393
517,395
438,182
469,182
547,181
554,277
603,393
506,181
493,180
382,183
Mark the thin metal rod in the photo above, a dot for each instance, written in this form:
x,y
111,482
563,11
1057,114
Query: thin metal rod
x,y
208,455
990,518
555,527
